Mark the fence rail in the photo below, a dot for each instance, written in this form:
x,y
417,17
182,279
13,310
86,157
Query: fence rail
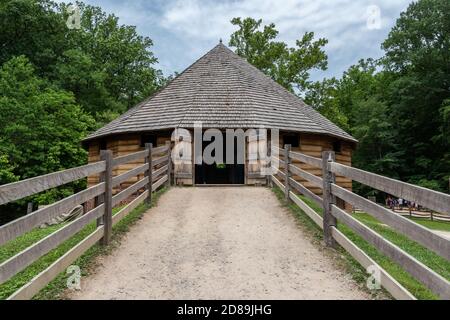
x,y
285,179
156,173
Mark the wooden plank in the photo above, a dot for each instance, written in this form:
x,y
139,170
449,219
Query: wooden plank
x,y
26,223
159,183
160,150
20,261
159,160
130,157
277,182
304,191
386,280
149,172
169,164
421,272
183,175
18,190
107,217
306,175
29,290
411,229
129,207
307,209
430,199
327,198
287,159
159,172
129,174
129,191
315,162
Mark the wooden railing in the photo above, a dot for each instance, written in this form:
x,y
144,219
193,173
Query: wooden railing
x,y
156,171
433,200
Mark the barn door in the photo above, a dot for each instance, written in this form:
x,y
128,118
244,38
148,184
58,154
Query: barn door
x,y
182,157
256,156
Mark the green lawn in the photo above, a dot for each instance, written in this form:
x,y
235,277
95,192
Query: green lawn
x,y
53,290
432,260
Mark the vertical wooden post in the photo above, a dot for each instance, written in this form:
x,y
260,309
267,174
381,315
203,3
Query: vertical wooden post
x,y
149,172
30,207
287,162
106,155
328,199
269,164
169,164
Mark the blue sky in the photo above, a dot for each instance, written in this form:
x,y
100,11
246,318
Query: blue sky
x,y
183,30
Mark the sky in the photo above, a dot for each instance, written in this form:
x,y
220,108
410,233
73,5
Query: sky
x,y
184,30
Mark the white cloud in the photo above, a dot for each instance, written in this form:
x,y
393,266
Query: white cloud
x,y
183,30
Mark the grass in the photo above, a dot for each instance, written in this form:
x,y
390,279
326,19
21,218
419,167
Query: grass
x,y
55,288
429,258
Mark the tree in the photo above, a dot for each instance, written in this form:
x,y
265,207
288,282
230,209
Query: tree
x,y
41,129
417,53
108,66
290,67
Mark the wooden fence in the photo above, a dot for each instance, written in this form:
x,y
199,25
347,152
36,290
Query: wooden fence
x,y
433,200
155,172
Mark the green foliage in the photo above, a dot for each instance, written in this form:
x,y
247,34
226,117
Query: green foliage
x,y
290,67
57,84
41,127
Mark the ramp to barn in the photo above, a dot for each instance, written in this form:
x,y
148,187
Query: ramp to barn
x,y
218,243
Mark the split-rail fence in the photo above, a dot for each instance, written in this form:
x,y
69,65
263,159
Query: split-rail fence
x,y
154,173
284,178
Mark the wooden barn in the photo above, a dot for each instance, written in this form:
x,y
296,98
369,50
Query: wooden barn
x,y
223,91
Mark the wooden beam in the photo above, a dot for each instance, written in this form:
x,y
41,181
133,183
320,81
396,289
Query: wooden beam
x,y
107,156
129,174
316,162
129,207
159,183
307,210
287,149
21,189
328,199
157,173
317,181
160,150
149,172
413,230
130,157
305,191
430,199
129,191
26,223
29,290
386,280
20,261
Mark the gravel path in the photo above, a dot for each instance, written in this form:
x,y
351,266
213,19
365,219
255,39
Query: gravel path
x,y
217,243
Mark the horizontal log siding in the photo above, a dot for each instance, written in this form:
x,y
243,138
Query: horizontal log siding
x,y
313,145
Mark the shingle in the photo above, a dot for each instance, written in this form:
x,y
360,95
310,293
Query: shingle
x,y
222,90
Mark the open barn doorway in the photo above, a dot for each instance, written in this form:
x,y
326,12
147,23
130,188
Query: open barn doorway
x,y
220,173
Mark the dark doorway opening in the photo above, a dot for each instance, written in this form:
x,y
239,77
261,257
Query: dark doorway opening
x,y
220,173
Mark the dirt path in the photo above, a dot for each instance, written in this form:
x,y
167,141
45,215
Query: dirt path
x,y
217,243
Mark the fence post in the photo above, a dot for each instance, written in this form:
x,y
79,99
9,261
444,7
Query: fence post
x,y
328,199
106,155
169,164
287,162
269,164
149,172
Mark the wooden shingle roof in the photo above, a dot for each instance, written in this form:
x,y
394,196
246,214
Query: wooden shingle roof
x,y
222,90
